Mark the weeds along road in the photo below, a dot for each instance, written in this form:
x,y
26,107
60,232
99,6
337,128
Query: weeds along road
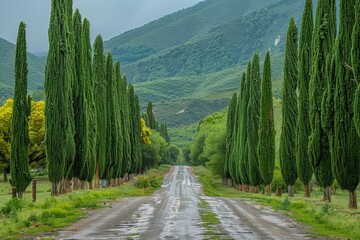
x,y
179,210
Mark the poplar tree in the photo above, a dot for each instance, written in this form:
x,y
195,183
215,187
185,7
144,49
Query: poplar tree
x,y
355,59
266,144
320,138
243,133
19,161
346,162
289,110
303,164
57,89
230,136
100,105
253,115
90,103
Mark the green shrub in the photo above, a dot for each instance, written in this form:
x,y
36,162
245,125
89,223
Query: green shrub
x,y
12,207
285,204
142,182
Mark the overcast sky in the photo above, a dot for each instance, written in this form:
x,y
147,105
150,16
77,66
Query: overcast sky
x,y
107,17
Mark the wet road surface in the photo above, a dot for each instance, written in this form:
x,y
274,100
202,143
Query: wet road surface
x,y
175,212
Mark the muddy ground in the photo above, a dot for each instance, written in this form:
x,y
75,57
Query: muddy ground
x,y
174,212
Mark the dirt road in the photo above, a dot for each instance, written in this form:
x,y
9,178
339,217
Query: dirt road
x,y
175,212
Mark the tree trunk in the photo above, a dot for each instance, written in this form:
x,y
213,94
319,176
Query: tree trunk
x,y
352,200
62,187
90,185
256,189
268,189
97,177
54,189
5,175
20,195
82,184
307,190
103,183
68,185
230,182
278,192
291,190
327,194
76,183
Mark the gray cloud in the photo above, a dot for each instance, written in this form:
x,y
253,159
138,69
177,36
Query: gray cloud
x,y
107,17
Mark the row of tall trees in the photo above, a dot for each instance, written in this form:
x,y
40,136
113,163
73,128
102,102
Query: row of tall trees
x,y
320,108
250,140
92,116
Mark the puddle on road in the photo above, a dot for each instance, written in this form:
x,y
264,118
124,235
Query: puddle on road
x,y
233,225
138,223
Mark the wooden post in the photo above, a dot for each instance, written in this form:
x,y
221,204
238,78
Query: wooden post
x,y
33,190
14,192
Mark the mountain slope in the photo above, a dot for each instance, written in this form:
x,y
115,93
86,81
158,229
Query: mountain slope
x,y
177,28
36,68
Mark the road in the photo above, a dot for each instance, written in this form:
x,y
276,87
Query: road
x,y
175,212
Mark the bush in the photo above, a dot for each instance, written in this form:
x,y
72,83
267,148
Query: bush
x,y
142,182
285,205
12,207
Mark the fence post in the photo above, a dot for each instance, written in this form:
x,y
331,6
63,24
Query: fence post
x,y
34,190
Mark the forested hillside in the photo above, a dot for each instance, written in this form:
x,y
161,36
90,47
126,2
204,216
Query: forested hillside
x,y
191,57
7,59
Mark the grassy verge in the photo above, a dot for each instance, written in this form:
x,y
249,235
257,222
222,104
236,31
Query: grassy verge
x,y
24,218
324,219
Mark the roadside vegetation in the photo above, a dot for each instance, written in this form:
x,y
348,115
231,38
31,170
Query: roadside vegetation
x,y
22,217
331,219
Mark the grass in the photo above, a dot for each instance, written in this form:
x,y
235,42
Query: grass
x,y
325,219
24,218
210,222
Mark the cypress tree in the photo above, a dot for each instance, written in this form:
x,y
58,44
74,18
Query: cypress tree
x,y
346,162
243,133
320,138
133,142
137,128
100,105
235,175
151,116
289,110
57,87
126,126
118,141
236,161
19,161
110,123
70,128
304,167
266,144
253,115
90,103
80,105
355,59
230,135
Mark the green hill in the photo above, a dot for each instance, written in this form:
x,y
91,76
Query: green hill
x,y
189,63
36,68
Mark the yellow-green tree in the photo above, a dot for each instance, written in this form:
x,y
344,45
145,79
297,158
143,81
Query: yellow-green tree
x,y
36,135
